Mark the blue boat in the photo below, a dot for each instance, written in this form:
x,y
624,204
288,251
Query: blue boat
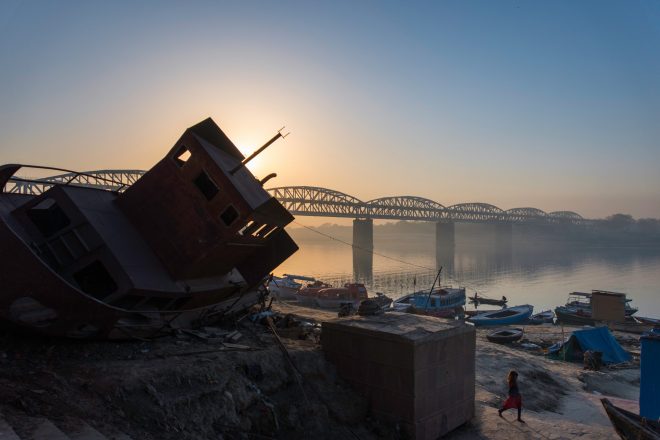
x,y
444,302
512,315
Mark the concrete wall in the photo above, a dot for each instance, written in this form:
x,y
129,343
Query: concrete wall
x,y
414,370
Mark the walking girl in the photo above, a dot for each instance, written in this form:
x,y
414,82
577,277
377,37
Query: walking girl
x,y
515,399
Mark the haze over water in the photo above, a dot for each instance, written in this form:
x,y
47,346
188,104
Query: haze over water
x,y
541,275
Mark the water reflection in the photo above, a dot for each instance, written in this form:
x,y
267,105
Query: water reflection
x,y
540,273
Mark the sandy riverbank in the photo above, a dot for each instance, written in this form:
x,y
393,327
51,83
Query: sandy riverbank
x,y
561,400
185,387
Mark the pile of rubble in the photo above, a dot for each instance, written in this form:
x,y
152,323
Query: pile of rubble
x,y
234,380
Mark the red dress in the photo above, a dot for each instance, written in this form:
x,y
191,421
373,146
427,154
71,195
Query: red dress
x,y
514,400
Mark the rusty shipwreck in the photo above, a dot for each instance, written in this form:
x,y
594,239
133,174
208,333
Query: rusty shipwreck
x,y
194,237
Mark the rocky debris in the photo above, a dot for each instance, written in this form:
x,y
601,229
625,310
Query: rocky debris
x,y
192,385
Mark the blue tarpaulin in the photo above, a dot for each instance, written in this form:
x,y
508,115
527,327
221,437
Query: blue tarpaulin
x,y
649,387
595,339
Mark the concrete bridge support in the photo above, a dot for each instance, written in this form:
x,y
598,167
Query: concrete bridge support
x,y
363,246
503,235
445,244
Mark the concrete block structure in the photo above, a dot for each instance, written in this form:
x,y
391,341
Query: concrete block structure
x,y
415,370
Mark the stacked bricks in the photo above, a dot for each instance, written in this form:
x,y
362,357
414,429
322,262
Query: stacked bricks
x,y
414,370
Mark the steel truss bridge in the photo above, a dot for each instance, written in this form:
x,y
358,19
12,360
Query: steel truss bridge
x,y
323,202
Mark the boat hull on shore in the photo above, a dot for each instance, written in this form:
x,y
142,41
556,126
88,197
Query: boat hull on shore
x,y
512,315
505,335
631,426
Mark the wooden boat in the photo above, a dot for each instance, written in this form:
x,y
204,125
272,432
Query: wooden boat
x,y
650,321
631,426
86,256
443,302
478,299
326,296
541,318
505,335
582,301
477,312
577,316
512,315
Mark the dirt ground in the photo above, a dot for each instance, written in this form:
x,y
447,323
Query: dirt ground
x,y
187,387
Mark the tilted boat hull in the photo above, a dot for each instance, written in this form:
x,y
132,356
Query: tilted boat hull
x,y
193,238
631,426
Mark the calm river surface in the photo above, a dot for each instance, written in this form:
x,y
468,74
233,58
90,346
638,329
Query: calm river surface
x,y
541,275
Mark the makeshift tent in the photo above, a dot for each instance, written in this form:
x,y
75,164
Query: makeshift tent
x,y
594,339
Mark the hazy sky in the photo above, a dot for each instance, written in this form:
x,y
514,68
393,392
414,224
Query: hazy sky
x,y
554,105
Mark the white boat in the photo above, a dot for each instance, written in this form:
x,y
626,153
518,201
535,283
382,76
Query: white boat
x,y
286,288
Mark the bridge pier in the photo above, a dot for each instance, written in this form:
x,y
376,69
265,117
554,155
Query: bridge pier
x,y
503,234
363,246
445,244
445,236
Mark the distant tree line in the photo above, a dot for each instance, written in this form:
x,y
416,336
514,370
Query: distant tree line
x,y
617,229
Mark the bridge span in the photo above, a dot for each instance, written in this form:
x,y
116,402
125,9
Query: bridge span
x,y
322,202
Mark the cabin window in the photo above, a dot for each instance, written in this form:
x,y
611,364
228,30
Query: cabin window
x,y
229,215
433,303
95,280
204,183
48,217
182,155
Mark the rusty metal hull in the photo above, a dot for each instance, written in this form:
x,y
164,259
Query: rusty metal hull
x,y
188,242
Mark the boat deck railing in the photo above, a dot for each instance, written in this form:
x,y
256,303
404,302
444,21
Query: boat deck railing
x,y
108,180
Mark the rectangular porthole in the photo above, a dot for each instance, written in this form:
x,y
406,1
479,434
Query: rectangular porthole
x,y
207,187
229,215
182,155
48,217
95,280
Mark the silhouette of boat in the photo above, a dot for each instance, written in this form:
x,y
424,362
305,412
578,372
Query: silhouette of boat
x,y
192,239
631,426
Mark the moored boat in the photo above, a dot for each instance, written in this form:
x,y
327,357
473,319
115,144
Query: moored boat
x,y
582,301
443,302
324,295
542,318
631,426
287,286
650,321
512,315
480,299
505,335
577,316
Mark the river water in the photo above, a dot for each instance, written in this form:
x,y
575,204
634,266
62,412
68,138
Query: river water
x,y
538,274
